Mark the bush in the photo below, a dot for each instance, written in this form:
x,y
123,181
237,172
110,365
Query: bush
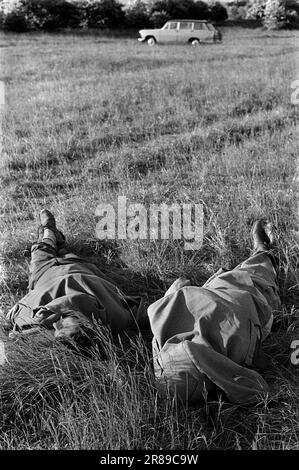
x,y
199,11
71,15
137,16
15,21
105,14
292,19
159,18
255,10
181,9
292,5
236,12
44,14
274,15
218,12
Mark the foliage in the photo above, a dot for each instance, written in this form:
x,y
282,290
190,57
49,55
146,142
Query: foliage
x,y
236,12
26,15
15,21
217,12
186,9
256,9
105,14
272,12
44,14
57,14
137,15
275,14
292,19
158,18
292,5
183,9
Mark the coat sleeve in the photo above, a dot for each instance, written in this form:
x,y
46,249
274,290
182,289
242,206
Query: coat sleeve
x,y
62,307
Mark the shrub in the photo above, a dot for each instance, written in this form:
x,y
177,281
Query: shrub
x,y
15,21
292,19
181,9
163,10
218,12
44,14
236,12
200,11
272,12
292,5
274,15
105,14
137,16
255,10
159,18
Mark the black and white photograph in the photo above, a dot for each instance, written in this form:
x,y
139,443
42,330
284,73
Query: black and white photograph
x,y
149,228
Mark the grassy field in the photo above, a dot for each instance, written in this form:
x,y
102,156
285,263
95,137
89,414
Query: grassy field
x,y
90,118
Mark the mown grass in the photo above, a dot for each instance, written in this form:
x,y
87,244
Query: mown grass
x,y
88,119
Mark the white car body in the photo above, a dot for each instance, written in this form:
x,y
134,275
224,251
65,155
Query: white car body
x,y
180,32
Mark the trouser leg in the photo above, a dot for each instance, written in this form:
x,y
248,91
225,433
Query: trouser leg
x,y
257,276
261,267
43,257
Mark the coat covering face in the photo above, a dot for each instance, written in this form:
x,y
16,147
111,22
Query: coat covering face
x,y
206,338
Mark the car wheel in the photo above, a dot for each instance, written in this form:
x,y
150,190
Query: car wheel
x,y
151,41
195,42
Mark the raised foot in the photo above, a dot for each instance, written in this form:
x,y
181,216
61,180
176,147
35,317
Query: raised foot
x,y
262,235
47,220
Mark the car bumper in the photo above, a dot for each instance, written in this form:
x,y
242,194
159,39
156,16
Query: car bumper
x,y
141,39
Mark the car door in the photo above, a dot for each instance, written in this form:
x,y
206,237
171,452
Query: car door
x,y
161,34
172,32
184,31
199,31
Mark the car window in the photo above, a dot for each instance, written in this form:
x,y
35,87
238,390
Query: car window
x,y
186,26
210,27
166,26
198,26
173,25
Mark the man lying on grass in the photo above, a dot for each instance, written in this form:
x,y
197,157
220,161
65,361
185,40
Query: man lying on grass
x,y
205,339
209,338
67,293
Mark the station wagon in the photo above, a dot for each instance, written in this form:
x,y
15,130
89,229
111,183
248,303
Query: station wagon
x,y
181,31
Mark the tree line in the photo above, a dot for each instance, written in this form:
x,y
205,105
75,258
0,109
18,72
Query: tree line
x,y
51,15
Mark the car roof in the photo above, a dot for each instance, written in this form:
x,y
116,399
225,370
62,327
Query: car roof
x,y
193,21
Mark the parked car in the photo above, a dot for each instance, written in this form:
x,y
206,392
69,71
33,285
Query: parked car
x,y
181,31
